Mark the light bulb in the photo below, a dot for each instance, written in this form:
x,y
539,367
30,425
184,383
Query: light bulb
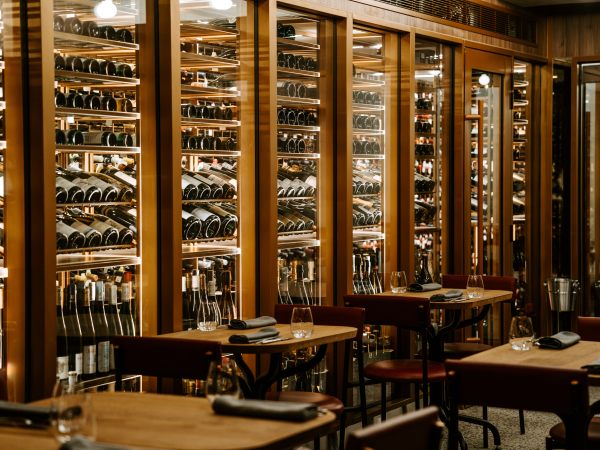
x,y
221,4
484,79
105,9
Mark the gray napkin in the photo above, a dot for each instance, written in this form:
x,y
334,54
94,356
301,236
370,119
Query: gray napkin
x,y
416,287
593,367
30,415
83,443
259,322
454,293
253,337
265,408
560,340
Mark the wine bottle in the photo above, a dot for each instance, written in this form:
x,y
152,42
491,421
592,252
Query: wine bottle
x,y
73,25
190,226
210,222
90,28
123,215
75,137
60,137
87,329
74,193
93,238
229,222
124,192
216,189
108,68
126,317
209,315
102,329
227,184
62,345
120,176
109,192
91,192
75,239
110,235
189,321
115,327
195,298
75,340
107,32
202,189
227,304
189,189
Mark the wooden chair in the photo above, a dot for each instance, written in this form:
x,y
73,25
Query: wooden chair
x,y
589,330
417,430
162,357
405,314
560,391
336,316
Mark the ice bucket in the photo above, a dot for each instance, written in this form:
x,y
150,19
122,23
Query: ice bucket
x,y
562,293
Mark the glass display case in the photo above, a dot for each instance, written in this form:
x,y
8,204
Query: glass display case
x,y
212,89
368,159
299,145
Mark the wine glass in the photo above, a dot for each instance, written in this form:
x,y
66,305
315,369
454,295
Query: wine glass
x,y
222,379
72,412
521,333
301,324
208,316
474,286
398,282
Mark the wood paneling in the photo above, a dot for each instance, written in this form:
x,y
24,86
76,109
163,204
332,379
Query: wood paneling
x,y
575,35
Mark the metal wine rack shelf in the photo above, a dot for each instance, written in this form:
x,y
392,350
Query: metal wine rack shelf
x,y
297,72
368,156
78,261
213,153
196,122
196,90
365,82
192,250
99,149
367,132
298,128
97,78
283,100
208,31
70,42
195,61
96,114
298,155
292,44
360,107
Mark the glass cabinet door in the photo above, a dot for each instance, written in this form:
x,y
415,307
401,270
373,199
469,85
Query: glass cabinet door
x,y
368,159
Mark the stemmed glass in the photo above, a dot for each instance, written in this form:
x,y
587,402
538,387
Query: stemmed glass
x,y
398,282
222,379
474,286
301,324
521,333
72,411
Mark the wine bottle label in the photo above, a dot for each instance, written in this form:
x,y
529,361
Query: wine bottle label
x,y
62,367
100,226
202,214
125,292
103,356
111,357
64,183
183,284
311,270
195,282
311,181
212,287
79,363
186,215
89,359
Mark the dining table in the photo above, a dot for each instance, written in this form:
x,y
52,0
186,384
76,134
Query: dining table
x,y
257,386
157,421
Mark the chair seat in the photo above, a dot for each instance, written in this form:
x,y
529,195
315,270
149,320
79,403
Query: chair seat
x,y
459,350
329,402
404,370
557,433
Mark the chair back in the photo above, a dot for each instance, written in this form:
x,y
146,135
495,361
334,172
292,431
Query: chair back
x,y
548,389
406,313
588,328
501,283
417,430
162,357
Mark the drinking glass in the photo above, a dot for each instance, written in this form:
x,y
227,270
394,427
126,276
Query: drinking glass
x,y
72,412
208,316
398,282
301,324
222,379
474,286
521,333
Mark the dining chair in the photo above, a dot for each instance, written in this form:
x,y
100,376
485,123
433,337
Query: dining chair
x,y
416,430
335,316
162,357
411,314
589,330
563,392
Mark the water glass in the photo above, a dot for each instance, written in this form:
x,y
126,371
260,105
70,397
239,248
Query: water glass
x,y
222,379
208,316
475,286
398,282
301,324
521,333
72,413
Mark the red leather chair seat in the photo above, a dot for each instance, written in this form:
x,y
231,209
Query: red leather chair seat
x,y
328,402
459,350
557,433
404,370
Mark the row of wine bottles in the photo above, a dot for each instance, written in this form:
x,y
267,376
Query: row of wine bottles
x,y
206,79
424,101
424,183
297,143
110,226
424,212
296,217
208,142
92,100
367,97
299,90
104,138
364,183
203,295
366,147
424,147
298,62
366,278
93,65
286,31
297,276
296,181
423,125
87,315
207,111
366,122
291,116
90,28
205,184
212,50
110,185
209,221
365,215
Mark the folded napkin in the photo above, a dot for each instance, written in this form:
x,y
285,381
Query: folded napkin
x,y
253,337
559,340
35,415
259,322
593,367
83,443
416,287
454,293
265,408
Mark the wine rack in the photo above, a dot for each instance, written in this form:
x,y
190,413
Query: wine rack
x,y
98,158
298,156
368,150
3,148
520,149
212,90
431,100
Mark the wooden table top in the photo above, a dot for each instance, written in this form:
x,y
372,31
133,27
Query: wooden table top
x,y
155,421
322,334
489,297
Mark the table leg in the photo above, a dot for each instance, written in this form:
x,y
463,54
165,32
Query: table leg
x,y
248,377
